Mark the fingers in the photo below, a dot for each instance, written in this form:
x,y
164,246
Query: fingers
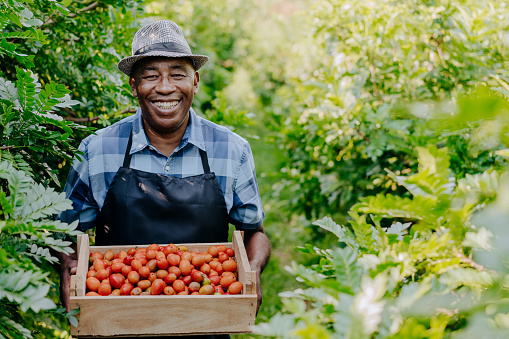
x,y
65,283
68,267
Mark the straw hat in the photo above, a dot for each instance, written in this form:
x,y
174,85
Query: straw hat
x,y
161,38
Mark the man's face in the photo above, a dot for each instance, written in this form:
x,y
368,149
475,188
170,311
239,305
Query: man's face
x,y
165,88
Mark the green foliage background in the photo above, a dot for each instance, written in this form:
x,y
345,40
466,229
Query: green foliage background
x,y
385,120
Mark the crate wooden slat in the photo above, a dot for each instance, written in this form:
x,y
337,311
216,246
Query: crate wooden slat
x,y
146,315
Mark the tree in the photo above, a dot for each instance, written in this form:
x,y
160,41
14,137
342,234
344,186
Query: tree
x,y
365,63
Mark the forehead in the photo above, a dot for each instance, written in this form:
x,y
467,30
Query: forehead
x,y
161,63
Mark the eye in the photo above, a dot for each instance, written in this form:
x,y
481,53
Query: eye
x,y
150,77
178,76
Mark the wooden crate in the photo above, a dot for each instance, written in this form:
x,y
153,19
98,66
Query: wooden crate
x,y
147,315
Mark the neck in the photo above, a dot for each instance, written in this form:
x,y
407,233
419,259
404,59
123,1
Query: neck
x,y
165,143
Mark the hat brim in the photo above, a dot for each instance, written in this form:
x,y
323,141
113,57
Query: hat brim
x,y
126,65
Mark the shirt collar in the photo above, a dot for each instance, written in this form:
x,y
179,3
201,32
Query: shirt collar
x,y
193,134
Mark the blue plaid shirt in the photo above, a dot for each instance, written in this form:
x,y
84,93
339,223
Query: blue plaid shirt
x,y
229,156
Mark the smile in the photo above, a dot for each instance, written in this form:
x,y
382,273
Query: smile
x,y
166,105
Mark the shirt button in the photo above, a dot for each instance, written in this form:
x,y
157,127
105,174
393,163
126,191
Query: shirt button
x,y
167,168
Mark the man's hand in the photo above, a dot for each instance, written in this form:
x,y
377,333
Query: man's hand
x,y
258,252
67,267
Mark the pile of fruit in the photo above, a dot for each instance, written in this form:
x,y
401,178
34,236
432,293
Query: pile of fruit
x,y
170,270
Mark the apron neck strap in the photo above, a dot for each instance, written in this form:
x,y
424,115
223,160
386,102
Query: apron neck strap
x,y
127,155
204,161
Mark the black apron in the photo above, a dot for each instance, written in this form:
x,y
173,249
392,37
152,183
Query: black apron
x,y
143,208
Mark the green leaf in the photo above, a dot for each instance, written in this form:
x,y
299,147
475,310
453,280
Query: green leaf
x,y
8,90
347,272
343,233
479,240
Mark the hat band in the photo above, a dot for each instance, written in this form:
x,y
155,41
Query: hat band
x,y
163,46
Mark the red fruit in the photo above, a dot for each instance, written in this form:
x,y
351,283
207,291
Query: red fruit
x,y
92,294
94,256
185,266
144,272
126,270
126,289
173,259
198,260
117,280
109,255
102,274
194,286
160,255
161,274
168,290
170,278
235,287
151,254
175,270
154,247
117,267
128,259
136,265
170,249
136,291
163,263
213,251
187,280
99,264
186,256
222,257
205,268
134,277
92,283
144,284
226,281
215,279
121,255
110,271
206,290
179,286
230,266
152,265
230,252
104,289
197,276
158,286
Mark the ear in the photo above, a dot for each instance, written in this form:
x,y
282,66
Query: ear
x,y
132,83
196,82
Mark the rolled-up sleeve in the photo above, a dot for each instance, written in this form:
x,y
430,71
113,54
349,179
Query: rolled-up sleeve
x,y
247,210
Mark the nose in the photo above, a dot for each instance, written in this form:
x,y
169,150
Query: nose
x,y
165,86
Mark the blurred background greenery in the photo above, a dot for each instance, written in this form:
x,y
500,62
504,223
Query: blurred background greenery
x,y
328,93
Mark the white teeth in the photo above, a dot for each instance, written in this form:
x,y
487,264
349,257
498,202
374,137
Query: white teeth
x,y
166,105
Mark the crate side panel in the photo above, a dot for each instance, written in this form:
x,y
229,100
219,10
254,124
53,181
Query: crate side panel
x,y
161,315
82,268
246,276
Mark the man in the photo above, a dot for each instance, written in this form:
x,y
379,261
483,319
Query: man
x,y
165,175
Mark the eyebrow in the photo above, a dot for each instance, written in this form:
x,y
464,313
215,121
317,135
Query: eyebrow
x,y
155,68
